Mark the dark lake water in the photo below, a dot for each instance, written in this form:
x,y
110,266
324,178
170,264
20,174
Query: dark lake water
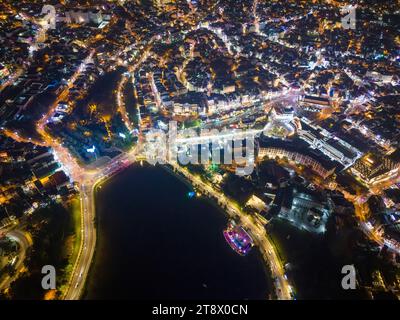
x,y
154,242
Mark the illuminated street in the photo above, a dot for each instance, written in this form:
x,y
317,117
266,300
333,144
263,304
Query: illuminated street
x,y
284,115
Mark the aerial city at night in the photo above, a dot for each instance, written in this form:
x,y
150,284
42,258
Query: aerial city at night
x,y
199,150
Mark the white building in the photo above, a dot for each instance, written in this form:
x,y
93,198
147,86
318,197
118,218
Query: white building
x,y
335,148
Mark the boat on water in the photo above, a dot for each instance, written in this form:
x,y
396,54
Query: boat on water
x,y
238,238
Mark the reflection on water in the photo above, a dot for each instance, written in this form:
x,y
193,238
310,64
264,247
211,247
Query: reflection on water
x,y
155,242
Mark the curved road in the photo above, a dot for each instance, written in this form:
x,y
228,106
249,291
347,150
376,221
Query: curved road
x,y
257,231
87,188
24,241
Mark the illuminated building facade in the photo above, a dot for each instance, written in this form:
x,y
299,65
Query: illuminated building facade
x,y
372,167
298,158
161,3
335,148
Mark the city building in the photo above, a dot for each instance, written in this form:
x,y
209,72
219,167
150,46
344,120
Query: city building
x,y
306,213
335,148
297,158
314,103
